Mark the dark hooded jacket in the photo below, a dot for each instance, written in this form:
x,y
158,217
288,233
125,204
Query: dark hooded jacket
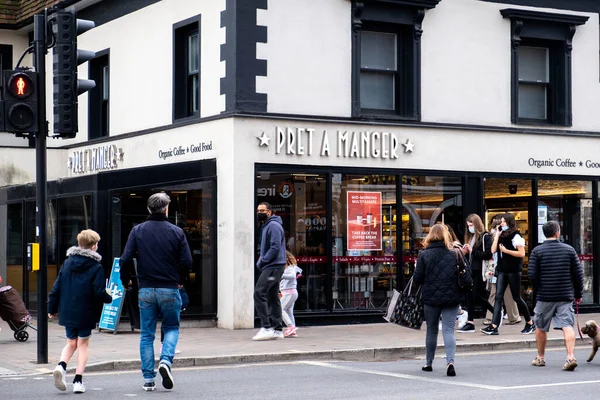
x,y
436,271
79,290
272,244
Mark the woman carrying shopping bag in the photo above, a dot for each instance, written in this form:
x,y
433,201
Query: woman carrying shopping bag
x,y
438,273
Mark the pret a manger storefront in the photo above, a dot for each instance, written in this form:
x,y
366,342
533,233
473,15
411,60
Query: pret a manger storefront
x,y
356,201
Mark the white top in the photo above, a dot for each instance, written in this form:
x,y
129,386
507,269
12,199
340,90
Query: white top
x,y
518,241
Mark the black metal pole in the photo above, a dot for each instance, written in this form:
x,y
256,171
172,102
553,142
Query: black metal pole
x,y
39,39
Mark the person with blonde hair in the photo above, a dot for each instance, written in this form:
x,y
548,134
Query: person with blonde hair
x,y
436,271
477,247
76,296
289,294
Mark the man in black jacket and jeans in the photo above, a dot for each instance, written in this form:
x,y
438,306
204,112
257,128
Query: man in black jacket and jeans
x,y
164,261
556,273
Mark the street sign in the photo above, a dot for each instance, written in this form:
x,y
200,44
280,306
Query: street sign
x,y
111,313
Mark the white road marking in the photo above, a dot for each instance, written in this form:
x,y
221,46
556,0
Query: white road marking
x,y
444,381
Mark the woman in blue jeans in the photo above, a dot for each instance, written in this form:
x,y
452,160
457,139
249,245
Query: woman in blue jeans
x,y
436,271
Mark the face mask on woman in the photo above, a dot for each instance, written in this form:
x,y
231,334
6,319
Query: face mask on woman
x,y
504,228
472,229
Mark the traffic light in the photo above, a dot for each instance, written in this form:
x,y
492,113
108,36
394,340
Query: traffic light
x,y
20,101
65,59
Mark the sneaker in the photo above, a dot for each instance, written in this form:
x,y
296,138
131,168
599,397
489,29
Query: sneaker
x,y
149,386
450,371
570,365
490,330
462,319
277,335
295,334
78,387
468,328
60,378
177,351
427,368
165,372
264,334
515,322
538,362
529,329
288,332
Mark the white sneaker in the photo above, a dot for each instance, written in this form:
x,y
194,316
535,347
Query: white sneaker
x,y
60,378
177,351
277,335
78,387
264,334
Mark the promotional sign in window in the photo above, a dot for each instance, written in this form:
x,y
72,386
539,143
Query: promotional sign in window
x,y
364,221
111,313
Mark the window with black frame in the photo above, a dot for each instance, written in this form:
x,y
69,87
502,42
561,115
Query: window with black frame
x,y
186,69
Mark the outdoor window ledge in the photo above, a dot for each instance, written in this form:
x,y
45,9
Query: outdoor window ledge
x,y
566,19
387,117
408,3
540,123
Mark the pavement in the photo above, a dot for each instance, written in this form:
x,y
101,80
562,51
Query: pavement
x,y
214,346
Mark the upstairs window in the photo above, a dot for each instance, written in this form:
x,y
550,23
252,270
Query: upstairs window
x,y
99,96
186,69
541,66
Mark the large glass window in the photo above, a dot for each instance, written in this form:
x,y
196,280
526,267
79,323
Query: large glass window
x,y
14,247
428,200
570,204
192,208
300,200
364,240
186,68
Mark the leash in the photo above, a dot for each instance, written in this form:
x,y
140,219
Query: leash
x,y
577,318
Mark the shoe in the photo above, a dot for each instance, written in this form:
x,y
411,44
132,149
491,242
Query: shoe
x,y
538,362
149,386
288,332
450,371
462,319
60,378
529,329
165,372
264,334
468,328
277,335
177,351
487,322
427,368
78,387
490,330
515,322
570,365
294,335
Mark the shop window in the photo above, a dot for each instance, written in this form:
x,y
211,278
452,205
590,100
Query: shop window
x,y
186,69
365,238
74,215
14,247
426,201
300,199
193,209
570,204
541,66
6,57
98,120
386,52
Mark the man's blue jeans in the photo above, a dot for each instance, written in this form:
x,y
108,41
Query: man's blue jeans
x,y
153,303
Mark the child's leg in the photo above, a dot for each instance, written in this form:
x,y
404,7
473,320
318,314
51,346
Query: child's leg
x,y
68,350
82,356
291,308
285,304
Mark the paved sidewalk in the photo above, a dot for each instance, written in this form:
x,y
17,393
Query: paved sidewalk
x,y
212,346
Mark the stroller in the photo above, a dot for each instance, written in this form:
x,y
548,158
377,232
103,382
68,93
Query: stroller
x,y
13,311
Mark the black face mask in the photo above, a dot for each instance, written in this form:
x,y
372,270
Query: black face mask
x,y
262,217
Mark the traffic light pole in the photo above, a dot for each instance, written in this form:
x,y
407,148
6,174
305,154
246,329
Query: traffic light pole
x,y
39,40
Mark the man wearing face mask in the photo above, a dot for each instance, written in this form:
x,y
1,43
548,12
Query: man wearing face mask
x,y
271,264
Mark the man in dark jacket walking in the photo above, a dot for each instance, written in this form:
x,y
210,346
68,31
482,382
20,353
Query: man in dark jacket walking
x,y
164,261
271,264
556,274
77,293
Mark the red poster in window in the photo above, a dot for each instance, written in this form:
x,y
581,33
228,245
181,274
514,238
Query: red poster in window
x,y
364,221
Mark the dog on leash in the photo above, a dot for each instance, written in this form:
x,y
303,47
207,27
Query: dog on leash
x,y
591,329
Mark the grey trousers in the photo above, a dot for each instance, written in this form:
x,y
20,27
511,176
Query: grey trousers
x,y
432,318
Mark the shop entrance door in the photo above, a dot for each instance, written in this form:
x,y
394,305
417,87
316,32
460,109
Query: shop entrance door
x,y
513,196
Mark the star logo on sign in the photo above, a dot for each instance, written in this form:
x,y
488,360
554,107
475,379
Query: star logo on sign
x,y
69,162
408,146
264,140
581,163
120,154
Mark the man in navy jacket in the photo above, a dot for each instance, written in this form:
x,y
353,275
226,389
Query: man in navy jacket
x,y
556,274
163,264
271,264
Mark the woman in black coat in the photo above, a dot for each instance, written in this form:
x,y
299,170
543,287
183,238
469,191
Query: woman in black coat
x,y
436,270
477,247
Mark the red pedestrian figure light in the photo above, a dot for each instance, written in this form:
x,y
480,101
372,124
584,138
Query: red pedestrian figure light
x,y
21,87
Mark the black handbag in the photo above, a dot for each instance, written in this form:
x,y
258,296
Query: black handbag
x,y
463,272
408,310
